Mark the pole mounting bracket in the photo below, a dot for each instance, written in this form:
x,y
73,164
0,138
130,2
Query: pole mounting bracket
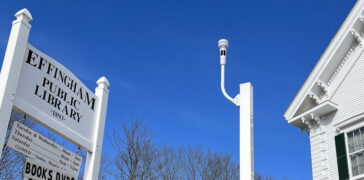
x,y
236,100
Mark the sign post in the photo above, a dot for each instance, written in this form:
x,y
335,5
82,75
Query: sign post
x,y
93,158
11,69
246,131
244,101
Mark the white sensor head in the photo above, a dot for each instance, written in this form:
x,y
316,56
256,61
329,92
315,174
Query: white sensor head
x,y
223,45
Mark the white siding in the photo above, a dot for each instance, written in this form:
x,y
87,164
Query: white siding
x,y
350,95
318,154
350,99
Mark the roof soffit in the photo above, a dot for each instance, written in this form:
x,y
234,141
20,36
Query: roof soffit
x,y
333,66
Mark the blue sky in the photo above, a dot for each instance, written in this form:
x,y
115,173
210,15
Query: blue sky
x,y
162,61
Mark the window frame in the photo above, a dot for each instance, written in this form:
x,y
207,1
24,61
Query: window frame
x,y
346,126
348,154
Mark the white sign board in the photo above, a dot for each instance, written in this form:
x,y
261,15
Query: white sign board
x,y
35,170
36,146
48,89
47,92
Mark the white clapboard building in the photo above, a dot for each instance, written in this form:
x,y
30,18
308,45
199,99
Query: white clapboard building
x,y
330,104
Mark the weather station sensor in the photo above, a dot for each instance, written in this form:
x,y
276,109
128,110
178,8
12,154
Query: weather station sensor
x,y
244,101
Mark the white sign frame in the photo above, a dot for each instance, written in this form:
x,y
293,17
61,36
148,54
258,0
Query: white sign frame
x,y
9,80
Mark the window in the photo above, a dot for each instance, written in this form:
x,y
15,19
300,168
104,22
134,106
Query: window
x,y
356,151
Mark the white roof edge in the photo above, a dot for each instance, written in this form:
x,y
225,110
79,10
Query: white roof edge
x,y
323,61
321,109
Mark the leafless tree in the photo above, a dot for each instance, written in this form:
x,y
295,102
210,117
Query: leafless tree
x,y
169,164
136,156
139,158
192,159
104,171
205,165
219,166
258,176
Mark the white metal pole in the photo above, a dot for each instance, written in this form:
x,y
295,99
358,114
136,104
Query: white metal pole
x,y
244,101
11,68
93,159
246,132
